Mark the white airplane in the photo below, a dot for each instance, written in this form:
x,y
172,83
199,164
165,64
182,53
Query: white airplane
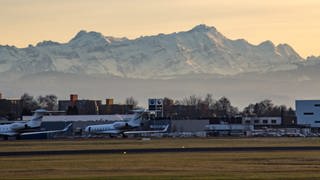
x,y
122,128
23,128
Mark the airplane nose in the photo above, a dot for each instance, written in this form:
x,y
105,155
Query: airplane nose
x,y
87,129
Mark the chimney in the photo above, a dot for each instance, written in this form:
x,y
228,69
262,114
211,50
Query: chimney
x,y
109,101
73,99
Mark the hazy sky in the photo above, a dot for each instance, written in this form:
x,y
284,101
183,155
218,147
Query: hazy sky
x,y
296,22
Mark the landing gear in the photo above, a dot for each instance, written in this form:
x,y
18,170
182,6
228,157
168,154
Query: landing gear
x,y
111,136
18,137
124,135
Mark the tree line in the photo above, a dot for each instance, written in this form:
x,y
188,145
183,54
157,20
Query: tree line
x,y
223,106
219,107
30,103
50,102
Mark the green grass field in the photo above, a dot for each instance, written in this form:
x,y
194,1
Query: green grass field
x,y
218,165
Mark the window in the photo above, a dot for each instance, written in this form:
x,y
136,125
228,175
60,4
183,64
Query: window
x,y
317,122
308,113
273,121
317,105
247,121
256,121
265,121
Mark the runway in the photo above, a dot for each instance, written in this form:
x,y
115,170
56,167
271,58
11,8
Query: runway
x,y
159,150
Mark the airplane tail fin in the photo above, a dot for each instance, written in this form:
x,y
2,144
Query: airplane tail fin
x,y
165,128
37,118
67,127
135,121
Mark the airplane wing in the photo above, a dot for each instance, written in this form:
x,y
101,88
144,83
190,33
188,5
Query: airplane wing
x,y
44,132
9,134
142,132
109,132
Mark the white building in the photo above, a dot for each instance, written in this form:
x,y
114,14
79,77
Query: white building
x,y
308,112
262,120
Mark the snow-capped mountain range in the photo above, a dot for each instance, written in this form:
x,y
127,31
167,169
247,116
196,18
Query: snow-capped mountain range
x,y
176,65
201,50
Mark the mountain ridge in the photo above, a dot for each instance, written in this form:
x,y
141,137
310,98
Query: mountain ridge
x,y
201,50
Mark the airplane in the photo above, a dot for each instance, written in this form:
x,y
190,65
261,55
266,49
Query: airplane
x,y
23,128
122,128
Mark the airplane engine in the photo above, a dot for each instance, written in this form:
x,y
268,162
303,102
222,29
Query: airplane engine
x,y
120,125
17,126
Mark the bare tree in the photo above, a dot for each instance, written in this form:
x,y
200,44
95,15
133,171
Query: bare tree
x,y
209,100
266,108
29,104
167,102
131,101
223,107
249,110
192,100
48,102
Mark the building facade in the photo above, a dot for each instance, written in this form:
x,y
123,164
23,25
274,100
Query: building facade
x,y
10,108
308,113
262,121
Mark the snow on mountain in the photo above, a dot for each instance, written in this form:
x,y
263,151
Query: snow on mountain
x,y
201,50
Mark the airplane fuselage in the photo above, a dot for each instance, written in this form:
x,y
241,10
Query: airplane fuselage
x,y
28,127
124,127
15,128
6,130
114,128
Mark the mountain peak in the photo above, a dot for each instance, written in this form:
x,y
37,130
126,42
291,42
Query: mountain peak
x,y
80,34
47,43
84,38
200,50
313,58
84,34
267,44
288,51
203,28
286,47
